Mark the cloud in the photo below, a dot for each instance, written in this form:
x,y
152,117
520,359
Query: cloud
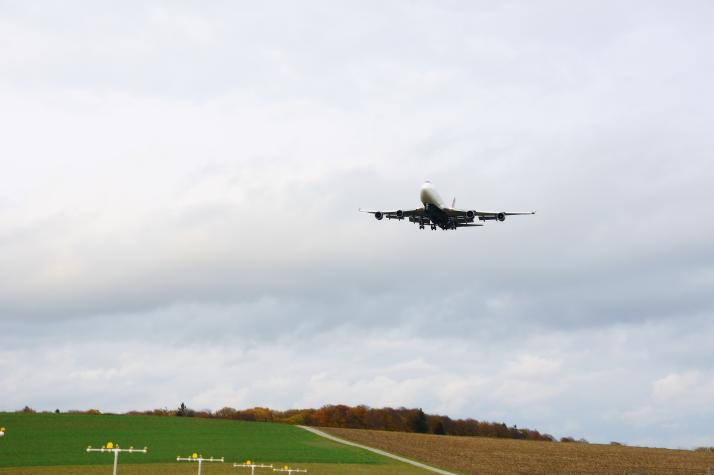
x,y
691,389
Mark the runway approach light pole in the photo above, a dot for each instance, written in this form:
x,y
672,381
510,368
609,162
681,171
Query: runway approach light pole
x,y
198,458
289,470
110,447
252,466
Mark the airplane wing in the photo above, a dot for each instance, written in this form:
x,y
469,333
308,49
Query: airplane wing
x,y
498,215
396,214
505,213
485,214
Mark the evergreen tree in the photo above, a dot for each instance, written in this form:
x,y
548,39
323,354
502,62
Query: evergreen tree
x,y
418,422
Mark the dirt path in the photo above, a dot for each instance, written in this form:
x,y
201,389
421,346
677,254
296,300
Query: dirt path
x,y
377,451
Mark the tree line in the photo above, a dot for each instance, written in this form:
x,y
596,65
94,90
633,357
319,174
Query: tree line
x,y
363,417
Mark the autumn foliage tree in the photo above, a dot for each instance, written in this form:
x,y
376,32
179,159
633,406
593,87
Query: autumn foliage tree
x,y
363,417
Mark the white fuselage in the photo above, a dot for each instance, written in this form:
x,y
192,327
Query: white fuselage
x,y
429,196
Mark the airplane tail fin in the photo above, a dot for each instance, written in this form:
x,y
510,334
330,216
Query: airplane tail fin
x,y
453,202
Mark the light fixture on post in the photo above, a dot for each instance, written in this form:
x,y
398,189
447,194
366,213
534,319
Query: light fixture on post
x,y
110,447
252,466
289,470
199,459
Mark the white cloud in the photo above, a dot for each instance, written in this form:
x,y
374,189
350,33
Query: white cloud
x,y
692,390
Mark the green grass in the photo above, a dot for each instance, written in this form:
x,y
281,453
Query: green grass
x,y
33,440
393,468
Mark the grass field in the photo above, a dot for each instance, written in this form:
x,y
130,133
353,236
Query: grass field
x,y
388,468
56,440
481,455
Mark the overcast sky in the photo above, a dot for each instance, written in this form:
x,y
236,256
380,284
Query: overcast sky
x,y
179,185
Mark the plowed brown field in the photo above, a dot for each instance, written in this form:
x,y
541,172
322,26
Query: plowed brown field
x,y
482,455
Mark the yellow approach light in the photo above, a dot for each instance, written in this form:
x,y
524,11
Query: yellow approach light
x,y
252,464
194,455
110,447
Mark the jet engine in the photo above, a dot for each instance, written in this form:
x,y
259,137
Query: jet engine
x,y
400,214
470,214
501,216
378,215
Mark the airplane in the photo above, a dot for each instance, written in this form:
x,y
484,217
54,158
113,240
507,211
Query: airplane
x,y
436,214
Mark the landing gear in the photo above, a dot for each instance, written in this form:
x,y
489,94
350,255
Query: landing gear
x,y
433,227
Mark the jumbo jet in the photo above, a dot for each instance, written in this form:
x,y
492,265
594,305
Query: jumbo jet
x,y
436,214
